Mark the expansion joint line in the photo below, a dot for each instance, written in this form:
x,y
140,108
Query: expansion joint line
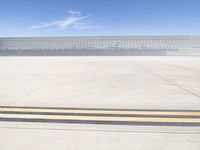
x,y
166,80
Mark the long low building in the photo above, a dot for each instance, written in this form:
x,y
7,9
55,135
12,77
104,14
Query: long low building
x,y
101,45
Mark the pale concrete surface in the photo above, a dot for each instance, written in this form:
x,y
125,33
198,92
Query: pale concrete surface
x,y
99,82
62,139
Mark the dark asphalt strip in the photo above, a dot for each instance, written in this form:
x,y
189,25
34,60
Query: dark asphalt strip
x,y
104,115
101,122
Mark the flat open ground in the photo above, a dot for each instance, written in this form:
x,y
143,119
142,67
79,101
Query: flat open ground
x,y
171,83
101,82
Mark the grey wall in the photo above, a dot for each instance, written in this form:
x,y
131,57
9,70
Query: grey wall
x,y
102,45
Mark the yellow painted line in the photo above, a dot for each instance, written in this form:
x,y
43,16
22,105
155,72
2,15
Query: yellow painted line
x,y
101,118
100,112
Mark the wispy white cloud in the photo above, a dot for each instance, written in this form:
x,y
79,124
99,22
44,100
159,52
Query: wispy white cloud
x,y
73,12
74,20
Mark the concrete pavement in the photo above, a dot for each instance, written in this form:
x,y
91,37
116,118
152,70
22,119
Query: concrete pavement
x,y
41,139
99,82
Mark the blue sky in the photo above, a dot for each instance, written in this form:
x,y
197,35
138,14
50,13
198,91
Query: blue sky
x,y
99,17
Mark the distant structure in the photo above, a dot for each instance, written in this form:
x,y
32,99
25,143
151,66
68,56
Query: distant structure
x,y
101,45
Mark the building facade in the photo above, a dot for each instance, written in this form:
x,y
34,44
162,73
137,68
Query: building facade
x,y
155,43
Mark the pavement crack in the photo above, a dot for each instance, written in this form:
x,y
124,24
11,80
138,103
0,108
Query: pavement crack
x,y
96,69
31,92
166,80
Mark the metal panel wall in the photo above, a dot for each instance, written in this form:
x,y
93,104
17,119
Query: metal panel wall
x,y
101,42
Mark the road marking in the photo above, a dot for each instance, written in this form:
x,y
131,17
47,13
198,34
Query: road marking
x,y
101,116
168,113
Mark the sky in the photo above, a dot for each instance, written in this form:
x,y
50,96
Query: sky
x,y
99,17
